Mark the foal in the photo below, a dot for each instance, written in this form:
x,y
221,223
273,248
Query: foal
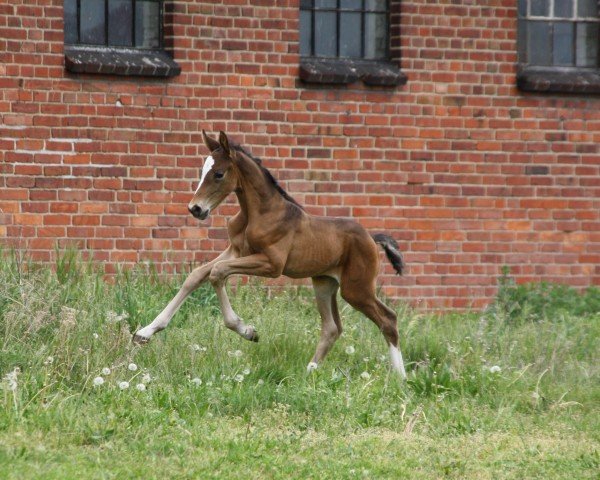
x,y
272,235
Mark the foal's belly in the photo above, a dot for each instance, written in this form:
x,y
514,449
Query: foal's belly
x,y
318,249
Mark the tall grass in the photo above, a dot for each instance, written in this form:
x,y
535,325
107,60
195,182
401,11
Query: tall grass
x,y
510,393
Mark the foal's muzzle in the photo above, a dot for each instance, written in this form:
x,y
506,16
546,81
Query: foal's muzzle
x,y
198,213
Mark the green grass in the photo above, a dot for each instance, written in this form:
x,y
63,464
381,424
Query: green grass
x,y
257,414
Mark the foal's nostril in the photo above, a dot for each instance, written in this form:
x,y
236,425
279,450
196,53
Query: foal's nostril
x,y
195,210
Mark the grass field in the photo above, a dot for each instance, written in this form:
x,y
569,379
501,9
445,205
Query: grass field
x,y
510,393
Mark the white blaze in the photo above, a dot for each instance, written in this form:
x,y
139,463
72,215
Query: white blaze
x,y
208,164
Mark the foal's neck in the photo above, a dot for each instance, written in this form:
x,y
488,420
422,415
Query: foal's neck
x,y
256,194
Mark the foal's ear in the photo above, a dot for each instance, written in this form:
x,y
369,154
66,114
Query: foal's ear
x,y
224,141
210,143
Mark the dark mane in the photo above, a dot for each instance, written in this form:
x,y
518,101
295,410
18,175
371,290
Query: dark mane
x,y
268,175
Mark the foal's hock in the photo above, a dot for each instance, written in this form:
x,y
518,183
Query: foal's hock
x,y
272,235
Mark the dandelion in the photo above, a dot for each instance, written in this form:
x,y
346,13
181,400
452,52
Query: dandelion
x,y
98,381
239,378
196,381
246,371
495,369
350,350
236,354
146,378
95,336
366,359
106,371
49,360
365,375
140,387
260,381
11,379
132,366
311,366
123,385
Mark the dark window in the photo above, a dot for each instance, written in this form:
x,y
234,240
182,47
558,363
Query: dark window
x,y
123,37
558,43
342,41
344,29
114,23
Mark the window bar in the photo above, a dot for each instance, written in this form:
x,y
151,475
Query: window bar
x,y
388,16
133,19
337,29
312,29
160,25
78,21
106,23
363,17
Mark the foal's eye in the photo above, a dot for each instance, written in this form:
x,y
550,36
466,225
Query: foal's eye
x,y
219,175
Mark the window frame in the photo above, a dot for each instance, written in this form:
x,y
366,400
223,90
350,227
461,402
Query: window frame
x,y
112,59
554,78
339,10
383,72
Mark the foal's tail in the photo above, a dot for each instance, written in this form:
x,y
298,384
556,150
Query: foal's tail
x,y
391,250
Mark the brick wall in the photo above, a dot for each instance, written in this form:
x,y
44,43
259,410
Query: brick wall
x,y
468,173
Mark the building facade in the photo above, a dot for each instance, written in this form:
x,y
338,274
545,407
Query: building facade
x,y
471,160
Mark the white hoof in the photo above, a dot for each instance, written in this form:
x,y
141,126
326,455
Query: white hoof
x,y
397,361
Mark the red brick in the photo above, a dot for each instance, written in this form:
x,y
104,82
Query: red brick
x,y
467,171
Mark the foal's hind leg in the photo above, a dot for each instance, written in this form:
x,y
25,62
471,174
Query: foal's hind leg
x,y
363,298
331,326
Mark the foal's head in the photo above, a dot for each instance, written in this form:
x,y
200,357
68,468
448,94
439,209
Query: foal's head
x,y
218,178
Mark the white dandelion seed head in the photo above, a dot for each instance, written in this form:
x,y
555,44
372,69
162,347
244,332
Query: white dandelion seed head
x,y
260,382
239,378
196,381
123,385
106,371
195,347
95,336
146,378
495,369
49,360
98,381
365,375
246,371
350,350
312,366
133,367
11,379
140,387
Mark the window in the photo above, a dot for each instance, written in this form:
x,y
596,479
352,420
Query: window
x,y
122,37
342,41
344,28
558,43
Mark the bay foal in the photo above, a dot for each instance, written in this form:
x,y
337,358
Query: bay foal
x,y
272,235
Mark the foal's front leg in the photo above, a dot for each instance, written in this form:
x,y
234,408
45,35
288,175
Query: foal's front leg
x,y
192,282
258,265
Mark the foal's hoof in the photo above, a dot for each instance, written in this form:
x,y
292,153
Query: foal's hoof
x,y
250,334
139,340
